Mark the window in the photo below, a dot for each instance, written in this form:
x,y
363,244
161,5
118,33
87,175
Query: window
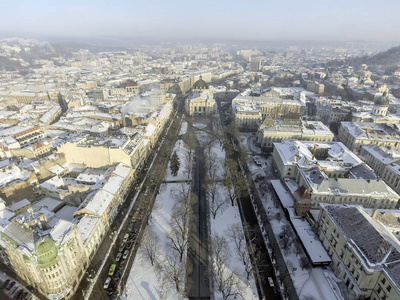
x,y
389,288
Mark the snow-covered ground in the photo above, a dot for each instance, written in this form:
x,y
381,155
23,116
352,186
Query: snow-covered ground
x,y
184,128
184,171
144,280
226,218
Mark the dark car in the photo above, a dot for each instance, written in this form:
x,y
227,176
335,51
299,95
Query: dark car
x,y
129,245
10,285
4,284
117,275
122,265
24,295
111,288
17,294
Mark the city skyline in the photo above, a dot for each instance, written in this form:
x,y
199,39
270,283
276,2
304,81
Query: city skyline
x,y
257,20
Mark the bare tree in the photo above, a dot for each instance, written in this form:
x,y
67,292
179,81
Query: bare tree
x,y
236,234
150,243
278,217
218,204
172,270
190,141
233,180
225,279
181,216
286,239
304,263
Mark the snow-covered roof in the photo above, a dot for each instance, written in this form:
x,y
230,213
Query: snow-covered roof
x,y
20,204
86,225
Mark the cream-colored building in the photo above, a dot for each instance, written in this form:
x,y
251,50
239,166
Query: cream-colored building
x,y
272,131
105,202
54,261
201,103
365,253
247,117
96,152
385,162
51,253
266,107
355,135
330,173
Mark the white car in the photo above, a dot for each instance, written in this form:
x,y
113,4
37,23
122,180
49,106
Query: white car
x,y
118,256
107,283
126,253
271,282
126,236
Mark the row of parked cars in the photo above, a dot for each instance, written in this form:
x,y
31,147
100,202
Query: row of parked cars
x,y
16,291
114,273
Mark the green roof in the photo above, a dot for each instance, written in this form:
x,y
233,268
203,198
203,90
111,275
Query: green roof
x,y
46,252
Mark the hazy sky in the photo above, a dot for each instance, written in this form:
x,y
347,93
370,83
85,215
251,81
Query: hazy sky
x,y
247,20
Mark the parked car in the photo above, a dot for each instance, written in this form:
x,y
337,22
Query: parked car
x,y
129,245
118,256
111,270
121,248
122,265
4,284
10,285
111,288
117,275
107,283
126,236
271,282
17,294
126,253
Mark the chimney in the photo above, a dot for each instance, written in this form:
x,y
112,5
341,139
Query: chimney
x,y
375,213
123,120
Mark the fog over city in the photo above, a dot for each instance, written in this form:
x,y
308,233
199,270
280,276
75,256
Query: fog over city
x,y
209,150
339,20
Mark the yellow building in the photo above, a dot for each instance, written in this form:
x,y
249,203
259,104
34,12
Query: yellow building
x,y
97,152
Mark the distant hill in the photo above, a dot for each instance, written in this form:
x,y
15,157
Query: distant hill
x,y
389,59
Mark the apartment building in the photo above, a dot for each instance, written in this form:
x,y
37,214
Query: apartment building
x,y
331,173
52,260
365,254
354,135
272,131
385,162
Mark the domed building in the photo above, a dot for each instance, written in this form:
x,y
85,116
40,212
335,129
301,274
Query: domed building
x,y
53,261
201,100
381,105
200,85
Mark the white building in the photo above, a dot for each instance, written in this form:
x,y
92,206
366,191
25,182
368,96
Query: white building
x,y
331,173
365,253
355,135
272,131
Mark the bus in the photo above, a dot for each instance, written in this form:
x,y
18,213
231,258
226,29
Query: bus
x,y
111,270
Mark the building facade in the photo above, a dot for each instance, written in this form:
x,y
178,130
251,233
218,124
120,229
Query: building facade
x,y
355,135
272,131
331,173
364,253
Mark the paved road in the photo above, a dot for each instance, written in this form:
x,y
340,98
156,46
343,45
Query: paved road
x,y
198,278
